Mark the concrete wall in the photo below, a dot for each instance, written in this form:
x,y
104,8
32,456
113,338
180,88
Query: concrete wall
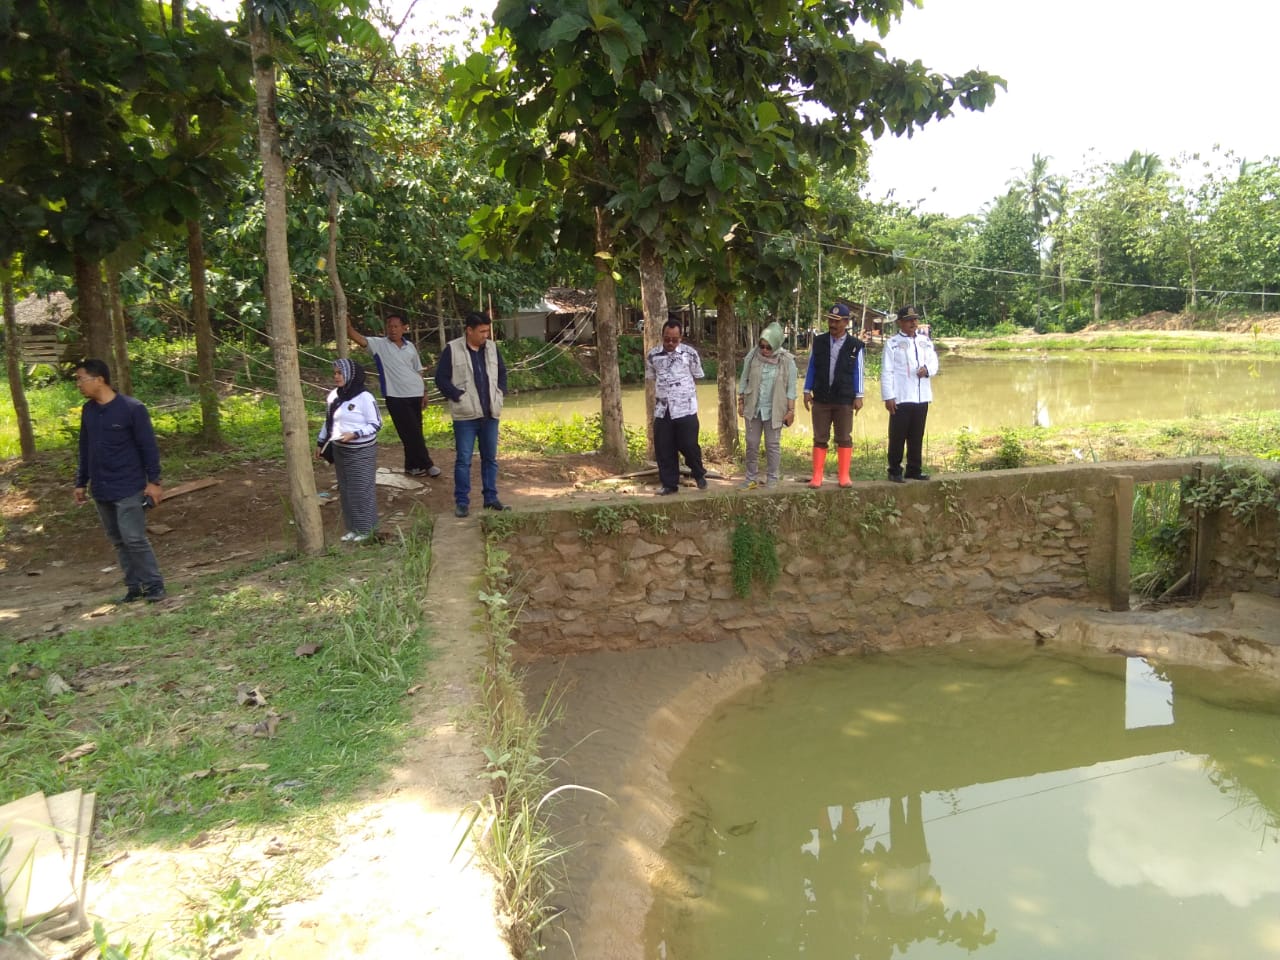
x,y
853,564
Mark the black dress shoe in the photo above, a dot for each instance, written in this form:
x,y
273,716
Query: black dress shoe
x,y
917,476
496,505
460,511
702,483
896,478
133,596
668,491
155,595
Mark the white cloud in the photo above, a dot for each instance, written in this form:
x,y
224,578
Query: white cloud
x,y
1168,826
1160,76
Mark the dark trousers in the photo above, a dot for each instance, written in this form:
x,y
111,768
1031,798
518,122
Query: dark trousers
x,y
906,427
406,414
125,523
672,437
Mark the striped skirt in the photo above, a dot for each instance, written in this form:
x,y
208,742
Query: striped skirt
x,y
357,469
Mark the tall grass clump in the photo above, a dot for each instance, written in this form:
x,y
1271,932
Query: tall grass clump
x,y
577,434
512,824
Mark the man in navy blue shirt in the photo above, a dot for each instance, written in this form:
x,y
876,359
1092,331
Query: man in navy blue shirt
x,y
120,468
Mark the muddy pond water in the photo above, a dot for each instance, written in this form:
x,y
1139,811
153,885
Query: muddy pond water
x,y
979,800
1013,391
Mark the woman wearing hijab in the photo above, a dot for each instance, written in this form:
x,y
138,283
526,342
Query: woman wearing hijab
x,y
767,401
350,433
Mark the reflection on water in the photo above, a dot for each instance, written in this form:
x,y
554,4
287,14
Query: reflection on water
x,y
979,800
988,394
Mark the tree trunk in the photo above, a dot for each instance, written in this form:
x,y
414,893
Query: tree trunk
x,y
284,343
331,267
613,433
1191,268
13,361
1097,289
653,299
317,324
206,350
726,381
443,339
121,374
95,325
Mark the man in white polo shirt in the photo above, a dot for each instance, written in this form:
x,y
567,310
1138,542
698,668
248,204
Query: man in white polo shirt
x,y
403,389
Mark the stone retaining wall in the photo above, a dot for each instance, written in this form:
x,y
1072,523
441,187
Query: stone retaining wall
x,y
852,564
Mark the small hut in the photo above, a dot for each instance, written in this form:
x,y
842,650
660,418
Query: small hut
x,y
47,330
563,315
868,321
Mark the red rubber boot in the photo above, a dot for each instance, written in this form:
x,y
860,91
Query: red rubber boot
x,y
819,465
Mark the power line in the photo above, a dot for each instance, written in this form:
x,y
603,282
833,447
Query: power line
x,y
846,248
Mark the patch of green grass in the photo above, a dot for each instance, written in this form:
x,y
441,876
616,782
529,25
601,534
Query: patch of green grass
x,y
49,406
551,435
157,693
1145,342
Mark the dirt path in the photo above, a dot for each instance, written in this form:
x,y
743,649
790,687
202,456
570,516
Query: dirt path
x,y
393,887
385,882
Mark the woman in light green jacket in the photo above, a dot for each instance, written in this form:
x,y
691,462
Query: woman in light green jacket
x,y
767,401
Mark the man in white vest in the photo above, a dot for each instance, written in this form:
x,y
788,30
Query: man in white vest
x,y
473,378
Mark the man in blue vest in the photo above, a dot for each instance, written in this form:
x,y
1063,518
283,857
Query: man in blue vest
x,y
833,390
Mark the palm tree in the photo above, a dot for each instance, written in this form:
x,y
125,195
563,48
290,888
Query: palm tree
x,y
1041,195
1141,166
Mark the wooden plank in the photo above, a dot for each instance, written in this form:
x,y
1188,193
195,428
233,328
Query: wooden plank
x,y
47,348
64,814
190,486
80,868
72,815
35,876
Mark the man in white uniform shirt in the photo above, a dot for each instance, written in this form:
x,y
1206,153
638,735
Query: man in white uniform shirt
x,y
675,369
908,364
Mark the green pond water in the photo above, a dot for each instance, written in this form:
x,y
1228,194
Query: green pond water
x,y
989,393
980,801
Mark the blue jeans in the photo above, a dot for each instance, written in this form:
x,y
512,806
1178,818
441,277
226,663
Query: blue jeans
x,y
465,435
125,523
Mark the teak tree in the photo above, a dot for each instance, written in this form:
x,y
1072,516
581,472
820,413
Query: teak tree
x,y
263,18
682,120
